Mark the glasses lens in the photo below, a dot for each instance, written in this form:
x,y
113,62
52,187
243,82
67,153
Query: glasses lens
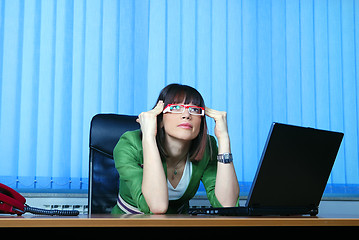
x,y
195,111
176,109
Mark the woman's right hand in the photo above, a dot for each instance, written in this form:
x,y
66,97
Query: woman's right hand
x,y
148,120
154,183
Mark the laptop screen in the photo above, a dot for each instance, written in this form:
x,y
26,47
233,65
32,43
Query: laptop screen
x,y
294,167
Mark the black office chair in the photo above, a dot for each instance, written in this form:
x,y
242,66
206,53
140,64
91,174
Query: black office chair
x,y
105,131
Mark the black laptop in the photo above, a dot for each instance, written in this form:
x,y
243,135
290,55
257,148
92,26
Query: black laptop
x,y
292,173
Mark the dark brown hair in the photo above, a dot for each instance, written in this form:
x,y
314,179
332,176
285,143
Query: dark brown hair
x,y
177,93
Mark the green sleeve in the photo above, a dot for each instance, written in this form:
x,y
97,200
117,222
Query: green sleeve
x,y
128,161
210,173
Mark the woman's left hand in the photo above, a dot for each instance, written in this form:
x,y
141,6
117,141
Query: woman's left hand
x,y
227,188
220,117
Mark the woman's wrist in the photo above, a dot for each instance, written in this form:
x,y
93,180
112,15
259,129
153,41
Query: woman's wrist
x,y
148,137
224,145
149,142
223,136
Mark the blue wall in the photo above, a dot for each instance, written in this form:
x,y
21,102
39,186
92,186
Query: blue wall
x,y
61,62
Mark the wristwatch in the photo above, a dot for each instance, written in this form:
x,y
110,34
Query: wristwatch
x,y
225,158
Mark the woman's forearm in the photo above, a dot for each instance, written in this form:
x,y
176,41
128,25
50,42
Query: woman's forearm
x,y
227,187
154,184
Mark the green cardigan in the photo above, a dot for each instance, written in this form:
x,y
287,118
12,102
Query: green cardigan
x,y
128,156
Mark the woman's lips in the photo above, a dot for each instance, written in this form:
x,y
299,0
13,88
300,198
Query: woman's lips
x,y
185,125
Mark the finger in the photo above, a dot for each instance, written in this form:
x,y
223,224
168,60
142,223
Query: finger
x,y
209,112
138,120
212,111
159,107
208,109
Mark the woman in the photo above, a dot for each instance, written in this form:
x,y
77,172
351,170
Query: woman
x,y
161,165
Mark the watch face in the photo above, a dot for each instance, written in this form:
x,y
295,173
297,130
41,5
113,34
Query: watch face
x,y
225,158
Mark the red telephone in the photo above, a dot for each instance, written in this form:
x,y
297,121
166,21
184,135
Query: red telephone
x,y
14,203
11,201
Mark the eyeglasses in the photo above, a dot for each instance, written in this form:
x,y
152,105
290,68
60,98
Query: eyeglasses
x,y
179,108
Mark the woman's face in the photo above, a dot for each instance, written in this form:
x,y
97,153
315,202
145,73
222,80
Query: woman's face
x,y
182,126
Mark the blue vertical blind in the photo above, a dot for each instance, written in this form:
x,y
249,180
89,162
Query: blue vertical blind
x,y
62,62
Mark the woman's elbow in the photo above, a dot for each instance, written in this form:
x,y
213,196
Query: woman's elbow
x,y
159,208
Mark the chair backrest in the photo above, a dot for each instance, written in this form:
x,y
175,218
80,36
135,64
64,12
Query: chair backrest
x,y
105,131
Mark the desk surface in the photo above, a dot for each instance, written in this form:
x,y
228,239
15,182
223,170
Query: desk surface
x,y
173,221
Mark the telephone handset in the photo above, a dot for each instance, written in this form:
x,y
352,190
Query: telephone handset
x,y
14,203
11,201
